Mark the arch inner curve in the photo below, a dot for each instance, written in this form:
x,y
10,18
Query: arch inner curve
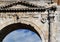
x,y
25,29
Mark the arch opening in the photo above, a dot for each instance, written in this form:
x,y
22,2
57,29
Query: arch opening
x,y
22,35
17,27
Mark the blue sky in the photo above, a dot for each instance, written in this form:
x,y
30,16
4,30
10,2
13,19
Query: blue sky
x,y
22,35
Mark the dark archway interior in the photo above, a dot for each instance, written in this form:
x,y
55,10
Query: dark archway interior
x,y
6,30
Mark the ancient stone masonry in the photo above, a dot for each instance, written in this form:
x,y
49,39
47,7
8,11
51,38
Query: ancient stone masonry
x,y
30,13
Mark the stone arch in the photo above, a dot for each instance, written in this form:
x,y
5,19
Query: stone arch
x,y
24,22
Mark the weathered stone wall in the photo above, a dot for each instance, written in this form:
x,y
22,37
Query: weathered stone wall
x,y
34,19
27,18
57,22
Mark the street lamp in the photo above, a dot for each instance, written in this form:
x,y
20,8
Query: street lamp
x,y
50,20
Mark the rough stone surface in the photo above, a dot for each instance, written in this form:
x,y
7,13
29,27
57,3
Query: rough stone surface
x,y
34,19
